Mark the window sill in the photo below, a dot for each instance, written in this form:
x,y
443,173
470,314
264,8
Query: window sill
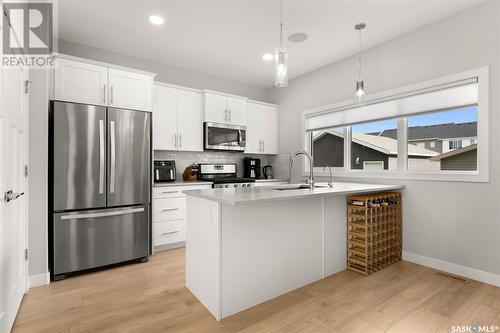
x,y
450,176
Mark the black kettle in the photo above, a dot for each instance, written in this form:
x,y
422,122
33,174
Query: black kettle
x,y
267,171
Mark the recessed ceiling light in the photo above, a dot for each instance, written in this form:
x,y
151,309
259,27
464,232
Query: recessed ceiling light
x,y
297,37
268,56
156,19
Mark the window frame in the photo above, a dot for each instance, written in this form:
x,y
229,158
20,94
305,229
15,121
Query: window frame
x,y
402,172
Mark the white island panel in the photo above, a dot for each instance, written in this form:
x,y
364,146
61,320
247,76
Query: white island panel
x,y
269,249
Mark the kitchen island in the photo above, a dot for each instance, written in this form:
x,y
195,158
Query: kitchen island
x,y
245,246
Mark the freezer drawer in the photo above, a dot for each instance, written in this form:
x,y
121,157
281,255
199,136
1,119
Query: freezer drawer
x,y
94,238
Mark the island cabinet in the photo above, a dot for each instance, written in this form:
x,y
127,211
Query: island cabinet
x,y
225,109
262,128
245,246
98,84
177,119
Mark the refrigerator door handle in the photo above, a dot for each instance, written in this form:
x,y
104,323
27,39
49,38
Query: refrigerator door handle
x,y
113,157
101,156
104,214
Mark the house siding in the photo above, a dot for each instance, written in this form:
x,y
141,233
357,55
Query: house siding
x,y
465,161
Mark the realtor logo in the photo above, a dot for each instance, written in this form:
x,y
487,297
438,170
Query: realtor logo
x,y
29,28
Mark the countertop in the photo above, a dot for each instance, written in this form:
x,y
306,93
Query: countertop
x,y
182,183
263,180
244,196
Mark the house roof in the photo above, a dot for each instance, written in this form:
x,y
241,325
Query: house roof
x,y
454,152
442,131
382,144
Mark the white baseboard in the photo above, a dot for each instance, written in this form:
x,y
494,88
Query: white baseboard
x,y
452,268
39,280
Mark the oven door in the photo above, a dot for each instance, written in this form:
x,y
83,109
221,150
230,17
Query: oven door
x,y
224,137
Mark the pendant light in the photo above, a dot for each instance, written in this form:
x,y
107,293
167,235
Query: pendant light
x,y
281,60
360,84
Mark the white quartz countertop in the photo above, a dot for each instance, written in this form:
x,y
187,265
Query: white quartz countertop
x,y
244,196
263,180
182,183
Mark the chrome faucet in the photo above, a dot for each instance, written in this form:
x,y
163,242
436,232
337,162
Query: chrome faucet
x,y
330,183
310,181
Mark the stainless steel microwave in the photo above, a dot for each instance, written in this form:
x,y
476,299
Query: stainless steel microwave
x,y
224,137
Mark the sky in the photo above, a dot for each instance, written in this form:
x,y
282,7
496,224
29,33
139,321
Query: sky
x,y
455,116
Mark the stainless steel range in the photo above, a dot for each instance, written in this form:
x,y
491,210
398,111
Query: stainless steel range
x,y
223,175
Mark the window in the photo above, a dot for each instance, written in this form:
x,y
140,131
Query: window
x,y
328,147
375,143
445,126
425,131
455,144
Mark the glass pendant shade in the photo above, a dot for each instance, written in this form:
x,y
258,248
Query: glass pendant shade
x,y
281,68
360,88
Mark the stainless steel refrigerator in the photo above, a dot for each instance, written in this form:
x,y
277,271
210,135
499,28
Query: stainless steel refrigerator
x,y
100,186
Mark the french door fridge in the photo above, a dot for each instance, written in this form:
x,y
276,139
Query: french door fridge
x,y
100,193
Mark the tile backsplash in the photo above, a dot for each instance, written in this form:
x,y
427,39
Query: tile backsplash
x,y
184,159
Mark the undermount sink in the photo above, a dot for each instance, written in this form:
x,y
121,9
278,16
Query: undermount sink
x,y
299,186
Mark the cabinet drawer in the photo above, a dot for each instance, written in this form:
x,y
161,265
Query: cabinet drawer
x,y
167,192
170,209
170,232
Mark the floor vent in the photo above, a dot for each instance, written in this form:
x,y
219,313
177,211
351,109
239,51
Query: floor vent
x,y
453,277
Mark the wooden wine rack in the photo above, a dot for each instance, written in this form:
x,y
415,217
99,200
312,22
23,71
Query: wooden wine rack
x,y
374,231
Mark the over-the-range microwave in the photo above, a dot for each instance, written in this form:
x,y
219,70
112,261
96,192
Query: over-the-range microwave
x,y
224,137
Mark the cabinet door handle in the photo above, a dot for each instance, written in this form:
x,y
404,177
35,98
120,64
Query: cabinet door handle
x,y
180,140
263,145
169,233
104,94
169,192
169,209
111,95
230,114
225,115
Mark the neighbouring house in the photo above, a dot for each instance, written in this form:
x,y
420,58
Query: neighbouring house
x,y
368,152
439,138
459,159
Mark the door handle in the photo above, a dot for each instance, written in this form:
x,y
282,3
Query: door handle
x,y
104,214
113,157
263,145
168,192
180,140
10,195
101,156
225,114
230,115
104,94
111,95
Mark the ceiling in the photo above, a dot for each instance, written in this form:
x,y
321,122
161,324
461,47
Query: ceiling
x,y
227,38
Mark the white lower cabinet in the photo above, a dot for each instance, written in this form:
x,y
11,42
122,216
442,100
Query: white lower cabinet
x,y
169,215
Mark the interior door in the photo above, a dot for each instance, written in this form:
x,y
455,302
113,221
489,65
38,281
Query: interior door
x,y
165,118
79,150
13,113
129,156
190,120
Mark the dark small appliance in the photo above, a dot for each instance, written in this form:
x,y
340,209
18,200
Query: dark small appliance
x,y
251,167
164,171
267,170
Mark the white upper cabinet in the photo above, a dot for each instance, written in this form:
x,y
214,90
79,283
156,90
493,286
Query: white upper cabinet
x,y
80,82
165,118
262,128
83,82
177,119
130,90
190,120
225,109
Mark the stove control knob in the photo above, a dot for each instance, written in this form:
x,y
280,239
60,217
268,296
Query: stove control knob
x,y
235,185
244,185
227,186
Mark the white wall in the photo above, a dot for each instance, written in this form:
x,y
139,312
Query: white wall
x,y
166,73
450,221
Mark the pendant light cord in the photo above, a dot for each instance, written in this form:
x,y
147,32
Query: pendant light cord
x,y
281,26
359,56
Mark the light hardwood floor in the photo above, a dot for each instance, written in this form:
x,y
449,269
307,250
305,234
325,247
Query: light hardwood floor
x,y
151,297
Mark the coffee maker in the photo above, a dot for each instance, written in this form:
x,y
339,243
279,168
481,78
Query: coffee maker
x,y
251,167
